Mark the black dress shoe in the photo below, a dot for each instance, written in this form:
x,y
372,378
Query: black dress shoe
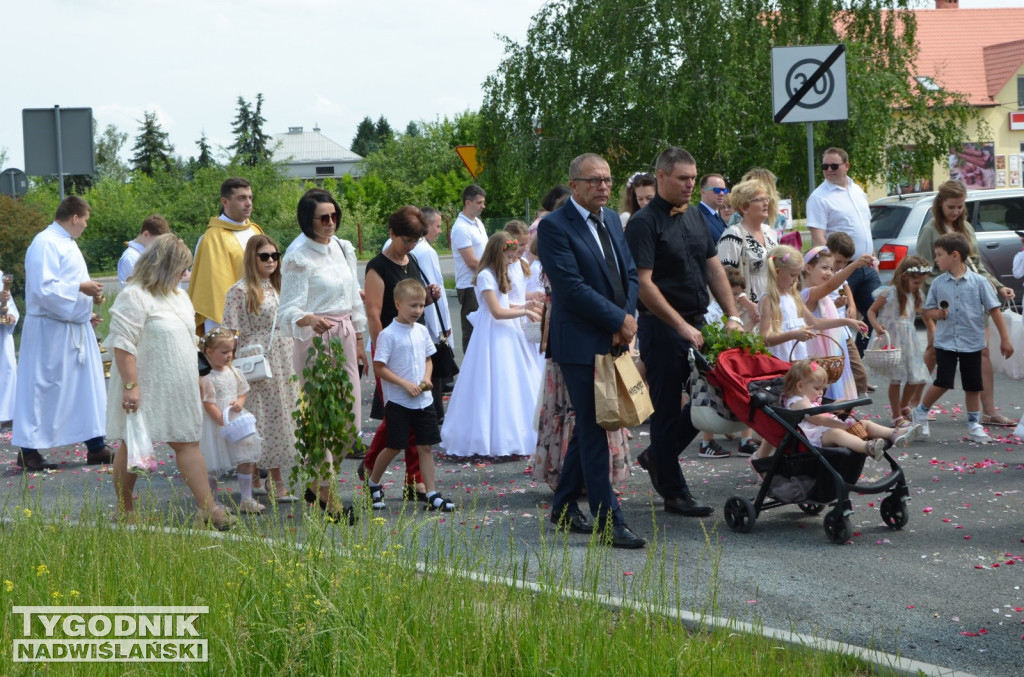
x,y
686,505
644,461
101,457
34,461
622,537
573,520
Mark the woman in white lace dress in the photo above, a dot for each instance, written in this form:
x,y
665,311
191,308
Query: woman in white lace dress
x,y
152,334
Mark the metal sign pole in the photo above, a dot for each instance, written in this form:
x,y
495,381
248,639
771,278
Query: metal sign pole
x,y
60,152
810,158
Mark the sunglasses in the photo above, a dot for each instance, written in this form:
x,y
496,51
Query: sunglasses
x,y
831,166
327,219
718,191
269,256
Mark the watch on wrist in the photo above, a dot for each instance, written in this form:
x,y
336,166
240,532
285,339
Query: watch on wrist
x,y
130,386
735,318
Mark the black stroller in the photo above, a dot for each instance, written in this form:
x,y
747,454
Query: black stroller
x,y
797,472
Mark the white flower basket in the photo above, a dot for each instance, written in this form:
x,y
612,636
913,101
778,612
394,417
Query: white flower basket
x,y
237,430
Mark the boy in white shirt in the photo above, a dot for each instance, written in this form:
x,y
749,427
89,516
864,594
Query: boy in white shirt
x,y
402,363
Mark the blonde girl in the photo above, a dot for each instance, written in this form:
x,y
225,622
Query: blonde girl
x,y
251,307
804,385
491,410
786,323
222,389
892,316
820,280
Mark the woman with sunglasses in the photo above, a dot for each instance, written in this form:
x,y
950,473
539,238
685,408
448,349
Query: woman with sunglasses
x,y
320,296
746,244
251,310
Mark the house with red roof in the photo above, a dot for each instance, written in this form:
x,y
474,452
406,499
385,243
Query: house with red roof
x,y
980,54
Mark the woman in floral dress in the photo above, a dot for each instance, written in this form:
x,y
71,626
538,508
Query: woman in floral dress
x,y
251,309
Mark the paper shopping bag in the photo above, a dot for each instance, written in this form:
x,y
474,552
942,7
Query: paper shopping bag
x,y
606,392
621,398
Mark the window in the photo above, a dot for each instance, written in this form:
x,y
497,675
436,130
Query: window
x,y
325,171
997,215
1020,91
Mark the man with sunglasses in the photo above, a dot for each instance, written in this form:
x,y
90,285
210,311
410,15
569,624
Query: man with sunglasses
x,y
219,254
712,198
839,205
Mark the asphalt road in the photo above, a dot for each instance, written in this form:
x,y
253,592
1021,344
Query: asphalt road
x,y
945,590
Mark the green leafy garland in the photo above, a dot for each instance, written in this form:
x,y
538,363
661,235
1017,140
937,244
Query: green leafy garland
x,y
324,418
717,339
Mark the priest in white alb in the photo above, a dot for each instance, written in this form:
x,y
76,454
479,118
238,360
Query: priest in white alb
x,y
61,395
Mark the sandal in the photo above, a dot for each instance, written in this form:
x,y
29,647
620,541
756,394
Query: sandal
x,y
438,502
997,420
218,518
901,422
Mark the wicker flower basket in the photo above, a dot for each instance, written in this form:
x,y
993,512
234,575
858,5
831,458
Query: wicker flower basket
x,y
883,355
833,364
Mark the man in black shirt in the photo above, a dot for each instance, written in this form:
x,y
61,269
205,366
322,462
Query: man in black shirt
x,y
677,263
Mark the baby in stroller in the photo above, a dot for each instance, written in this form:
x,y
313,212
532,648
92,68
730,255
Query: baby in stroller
x,y
802,389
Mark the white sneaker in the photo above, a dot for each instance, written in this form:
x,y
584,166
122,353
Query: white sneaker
x,y
975,433
876,449
251,506
921,421
906,435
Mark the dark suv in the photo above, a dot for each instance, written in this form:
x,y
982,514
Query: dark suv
x,y
995,215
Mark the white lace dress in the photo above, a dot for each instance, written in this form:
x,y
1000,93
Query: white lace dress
x,y
159,332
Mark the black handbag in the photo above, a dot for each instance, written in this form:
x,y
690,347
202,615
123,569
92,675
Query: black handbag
x,y
444,359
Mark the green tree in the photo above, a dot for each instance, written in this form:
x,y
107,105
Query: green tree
x,y
423,169
108,154
205,159
383,131
412,129
698,75
152,148
365,140
252,145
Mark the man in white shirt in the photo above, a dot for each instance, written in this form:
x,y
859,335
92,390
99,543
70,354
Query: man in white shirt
x,y
468,240
839,205
61,396
154,226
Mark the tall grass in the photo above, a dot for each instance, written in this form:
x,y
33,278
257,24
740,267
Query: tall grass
x,y
387,597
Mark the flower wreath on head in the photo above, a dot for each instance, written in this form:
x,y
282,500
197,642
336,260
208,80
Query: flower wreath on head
x,y
918,270
636,175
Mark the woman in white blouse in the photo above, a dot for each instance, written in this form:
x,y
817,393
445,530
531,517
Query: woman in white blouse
x,y
320,293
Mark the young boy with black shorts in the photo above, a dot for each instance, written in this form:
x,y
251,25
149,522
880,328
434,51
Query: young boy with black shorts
x,y
958,302
402,363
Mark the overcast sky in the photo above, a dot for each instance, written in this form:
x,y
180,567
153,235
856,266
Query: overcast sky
x,y
317,62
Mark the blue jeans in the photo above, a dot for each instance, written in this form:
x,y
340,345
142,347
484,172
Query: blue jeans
x,y
863,282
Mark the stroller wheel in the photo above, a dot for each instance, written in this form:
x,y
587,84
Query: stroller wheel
x,y
811,508
740,514
894,512
837,527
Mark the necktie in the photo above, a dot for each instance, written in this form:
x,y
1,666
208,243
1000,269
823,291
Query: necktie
x,y
609,258
678,210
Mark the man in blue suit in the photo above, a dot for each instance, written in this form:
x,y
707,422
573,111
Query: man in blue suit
x,y
712,198
593,299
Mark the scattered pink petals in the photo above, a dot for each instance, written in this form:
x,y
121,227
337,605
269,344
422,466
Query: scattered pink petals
x,y
927,510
